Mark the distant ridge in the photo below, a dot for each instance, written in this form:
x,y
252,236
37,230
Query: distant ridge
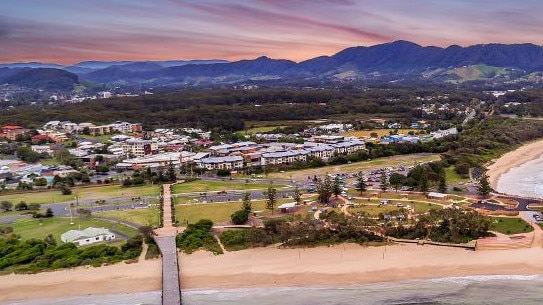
x,y
486,62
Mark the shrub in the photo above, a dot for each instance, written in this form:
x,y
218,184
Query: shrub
x,y
240,217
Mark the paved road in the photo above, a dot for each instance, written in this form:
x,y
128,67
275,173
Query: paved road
x,y
522,204
10,219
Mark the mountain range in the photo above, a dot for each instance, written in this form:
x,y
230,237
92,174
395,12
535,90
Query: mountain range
x,y
487,62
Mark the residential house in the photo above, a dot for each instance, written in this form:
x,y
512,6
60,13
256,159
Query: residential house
x,y
88,236
12,131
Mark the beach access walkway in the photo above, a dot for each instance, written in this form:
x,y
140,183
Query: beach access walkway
x,y
165,239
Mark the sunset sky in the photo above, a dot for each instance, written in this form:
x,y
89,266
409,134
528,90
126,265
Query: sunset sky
x,y
69,31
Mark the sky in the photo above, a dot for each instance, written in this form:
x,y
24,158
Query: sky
x,y
69,31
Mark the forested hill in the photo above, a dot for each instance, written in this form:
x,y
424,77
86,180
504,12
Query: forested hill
x,y
231,109
49,79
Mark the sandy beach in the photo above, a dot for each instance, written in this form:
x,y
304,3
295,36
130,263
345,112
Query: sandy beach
x,y
272,267
513,159
119,278
349,264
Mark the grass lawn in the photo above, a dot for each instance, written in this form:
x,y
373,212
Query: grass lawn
x,y
210,186
31,228
149,216
452,177
508,225
264,129
379,132
89,193
405,160
50,162
218,212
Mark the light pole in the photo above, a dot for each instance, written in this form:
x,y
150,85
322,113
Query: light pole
x,y
71,218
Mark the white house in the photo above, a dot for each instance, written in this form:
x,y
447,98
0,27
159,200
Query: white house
x,y
88,236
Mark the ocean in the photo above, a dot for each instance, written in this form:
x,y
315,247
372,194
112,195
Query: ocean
x,y
524,180
469,290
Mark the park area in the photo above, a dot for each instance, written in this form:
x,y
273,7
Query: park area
x,y
219,212
39,228
82,193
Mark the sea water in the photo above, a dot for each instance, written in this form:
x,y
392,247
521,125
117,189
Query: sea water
x,y
469,290
137,298
524,180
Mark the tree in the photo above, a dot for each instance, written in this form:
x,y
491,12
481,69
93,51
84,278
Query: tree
x,y
297,195
325,189
483,187
240,217
24,186
170,173
383,181
56,180
336,188
21,206
361,185
442,184
147,232
423,180
40,181
6,205
34,206
223,172
99,159
102,168
50,240
28,155
246,203
271,200
49,213
65,190
396,180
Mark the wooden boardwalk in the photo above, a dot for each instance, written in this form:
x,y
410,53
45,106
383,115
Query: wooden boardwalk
x,y
165,239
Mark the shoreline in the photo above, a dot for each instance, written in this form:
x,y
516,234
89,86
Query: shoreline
x,y
347,265
512,159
